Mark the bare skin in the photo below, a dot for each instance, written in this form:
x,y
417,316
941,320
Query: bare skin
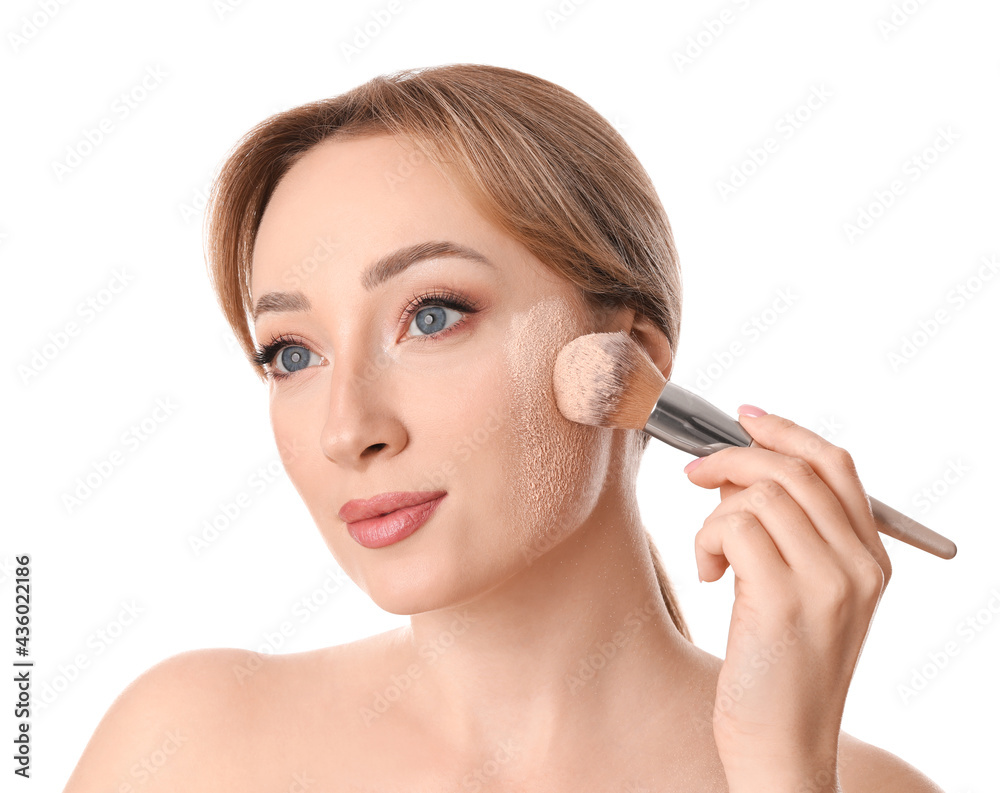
x,y
504,679
660,749
212,720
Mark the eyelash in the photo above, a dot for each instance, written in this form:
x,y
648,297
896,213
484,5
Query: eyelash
x,y
265,355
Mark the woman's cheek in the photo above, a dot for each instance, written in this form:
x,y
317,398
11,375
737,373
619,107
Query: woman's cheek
x,y
556,466
296,427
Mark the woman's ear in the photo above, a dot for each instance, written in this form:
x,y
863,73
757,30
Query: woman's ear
x,y
655,341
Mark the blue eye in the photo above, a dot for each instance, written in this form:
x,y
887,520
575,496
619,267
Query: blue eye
x,y
284,356
293,358
430,313
432,319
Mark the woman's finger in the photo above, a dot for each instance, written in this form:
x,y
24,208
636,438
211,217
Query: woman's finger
x,y
834,465
739,540
825,517
789,526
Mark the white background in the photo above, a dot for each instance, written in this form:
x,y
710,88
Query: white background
x,y
133,204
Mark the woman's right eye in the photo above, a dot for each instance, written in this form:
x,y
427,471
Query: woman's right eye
x,y
282,358
291,359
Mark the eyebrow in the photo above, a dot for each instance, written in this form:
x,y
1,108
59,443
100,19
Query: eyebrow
x,y
388,266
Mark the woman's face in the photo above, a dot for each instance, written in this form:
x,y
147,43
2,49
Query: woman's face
x,y
436,377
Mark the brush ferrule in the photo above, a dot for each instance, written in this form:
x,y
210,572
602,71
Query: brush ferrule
x,y
689,423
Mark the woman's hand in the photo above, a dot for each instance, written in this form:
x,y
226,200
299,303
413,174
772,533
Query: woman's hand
x,y
797,529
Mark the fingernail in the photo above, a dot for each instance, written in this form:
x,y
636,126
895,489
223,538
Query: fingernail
x,y
693,464
750,410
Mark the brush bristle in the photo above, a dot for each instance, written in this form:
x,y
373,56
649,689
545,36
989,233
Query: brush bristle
x,y
606,380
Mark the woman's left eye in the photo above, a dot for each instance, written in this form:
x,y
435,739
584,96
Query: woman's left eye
x,y
433,319
437,313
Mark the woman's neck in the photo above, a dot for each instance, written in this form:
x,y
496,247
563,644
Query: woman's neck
x,y
573,646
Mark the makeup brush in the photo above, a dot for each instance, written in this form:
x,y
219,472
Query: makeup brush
x,y
609,380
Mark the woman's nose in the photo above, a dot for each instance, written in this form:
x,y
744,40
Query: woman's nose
x,y
361,424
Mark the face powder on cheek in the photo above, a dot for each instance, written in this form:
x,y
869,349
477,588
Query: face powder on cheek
x,y
555,467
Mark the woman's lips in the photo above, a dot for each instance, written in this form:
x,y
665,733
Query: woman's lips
x,y
397,525
384,503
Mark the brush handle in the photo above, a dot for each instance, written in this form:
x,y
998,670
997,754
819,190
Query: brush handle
x,y
693,425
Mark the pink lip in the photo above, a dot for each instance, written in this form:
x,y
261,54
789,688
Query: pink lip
x,y
389,517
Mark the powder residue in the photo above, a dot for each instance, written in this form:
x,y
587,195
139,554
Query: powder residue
x,y
556,465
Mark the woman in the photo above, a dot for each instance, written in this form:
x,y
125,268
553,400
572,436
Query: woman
x,y
402,265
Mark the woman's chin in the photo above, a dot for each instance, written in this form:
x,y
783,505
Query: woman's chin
x,y
407,599
408,590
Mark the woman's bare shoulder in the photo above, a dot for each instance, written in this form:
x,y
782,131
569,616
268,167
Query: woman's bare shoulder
x,y
865,768
172,711
207,709
862,767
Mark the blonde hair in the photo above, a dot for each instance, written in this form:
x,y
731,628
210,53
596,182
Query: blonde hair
x,y
535,160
